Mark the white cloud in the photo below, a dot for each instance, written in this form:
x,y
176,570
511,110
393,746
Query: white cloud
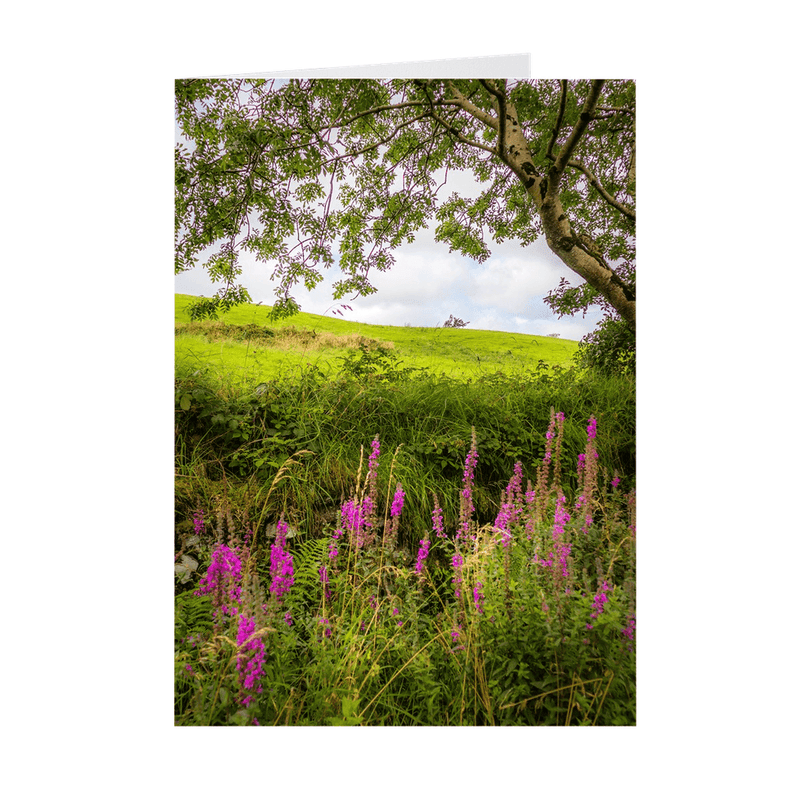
x,y
511,282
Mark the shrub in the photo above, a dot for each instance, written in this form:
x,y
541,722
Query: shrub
x,y
455,322
610,348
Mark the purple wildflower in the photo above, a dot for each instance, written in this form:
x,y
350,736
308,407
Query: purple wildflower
x,y
250,670
514,487
281,568
222,581
332,551
397,503
323,579
477,597
397,508
199,523
550,435
467,506
354,519
373,456
600,599
543,485
562,549
628,631
510,509
424,548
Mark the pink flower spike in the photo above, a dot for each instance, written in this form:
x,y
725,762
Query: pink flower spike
x,y
397,503
424,548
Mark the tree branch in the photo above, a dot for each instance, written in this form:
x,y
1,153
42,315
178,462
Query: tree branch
x,y
610,199
616,109
458,135
374,145
561,107
378,109
393,107
582,124
472,109
501,116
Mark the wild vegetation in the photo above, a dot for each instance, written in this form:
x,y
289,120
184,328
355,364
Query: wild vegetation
x,y
366,540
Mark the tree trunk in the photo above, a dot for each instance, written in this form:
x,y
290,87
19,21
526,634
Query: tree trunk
x,y
577,252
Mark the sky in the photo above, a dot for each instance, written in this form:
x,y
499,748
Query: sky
x,y
427,284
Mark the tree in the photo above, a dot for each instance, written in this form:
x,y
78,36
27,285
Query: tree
x,y
297,172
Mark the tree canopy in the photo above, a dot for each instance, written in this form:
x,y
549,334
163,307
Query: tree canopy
x,y
303,172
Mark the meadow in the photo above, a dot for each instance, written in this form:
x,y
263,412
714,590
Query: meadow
x,y
246,344
383,525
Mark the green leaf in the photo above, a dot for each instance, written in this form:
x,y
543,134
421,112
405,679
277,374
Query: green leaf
x,y
349,707
241,717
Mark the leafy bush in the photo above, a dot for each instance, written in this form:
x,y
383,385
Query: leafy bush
x,y
610,348
376,363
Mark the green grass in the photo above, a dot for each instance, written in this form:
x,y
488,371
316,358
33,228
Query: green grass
x,y
301,340
275,420
242,409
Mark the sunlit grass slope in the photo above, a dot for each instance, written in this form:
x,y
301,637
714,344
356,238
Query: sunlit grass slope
x,y
246,343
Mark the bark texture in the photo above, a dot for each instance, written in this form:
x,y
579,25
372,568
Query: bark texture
x,y
578,252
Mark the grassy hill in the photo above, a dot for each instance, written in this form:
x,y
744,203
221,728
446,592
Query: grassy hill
x,y
245,343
